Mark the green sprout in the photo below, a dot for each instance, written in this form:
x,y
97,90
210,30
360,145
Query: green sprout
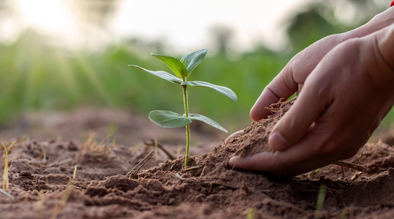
x,y
320,201
182,69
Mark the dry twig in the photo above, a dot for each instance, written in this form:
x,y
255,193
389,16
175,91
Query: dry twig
x,y
139,166
154,143
192,168
349,165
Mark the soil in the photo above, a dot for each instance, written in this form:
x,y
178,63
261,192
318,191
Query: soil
x,y
42,183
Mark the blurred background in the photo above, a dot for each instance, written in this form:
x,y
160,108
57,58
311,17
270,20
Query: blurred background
x,y
61,55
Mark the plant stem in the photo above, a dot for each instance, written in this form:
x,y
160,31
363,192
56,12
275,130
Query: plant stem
x,y
186,104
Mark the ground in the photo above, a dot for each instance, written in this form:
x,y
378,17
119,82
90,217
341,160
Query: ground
x,y
59,169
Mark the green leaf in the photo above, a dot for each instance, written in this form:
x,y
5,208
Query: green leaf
x,y
224,90
193,59
161,74
195,116
174,64
168,119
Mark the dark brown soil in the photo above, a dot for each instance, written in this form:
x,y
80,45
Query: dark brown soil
x,y
41,182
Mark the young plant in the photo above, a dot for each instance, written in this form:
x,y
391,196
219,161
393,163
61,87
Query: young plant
x,y
320,201
5,174
182,69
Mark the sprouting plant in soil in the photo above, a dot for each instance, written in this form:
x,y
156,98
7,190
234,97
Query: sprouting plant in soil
x,y
5,174
182,69
320,201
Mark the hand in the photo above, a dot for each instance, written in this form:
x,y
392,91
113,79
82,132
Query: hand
x,y
291,78
343,100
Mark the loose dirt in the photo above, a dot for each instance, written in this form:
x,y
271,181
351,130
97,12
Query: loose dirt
x,y
42,185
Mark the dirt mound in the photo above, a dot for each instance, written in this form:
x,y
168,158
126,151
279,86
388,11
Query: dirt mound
x,y
255,137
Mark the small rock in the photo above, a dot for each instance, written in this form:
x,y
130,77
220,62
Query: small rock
x,y
36,153
72,147
25,173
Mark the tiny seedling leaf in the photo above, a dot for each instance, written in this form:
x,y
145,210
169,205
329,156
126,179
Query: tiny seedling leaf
x,y
195,116
174,64
224,90
168,119
193,59
161,74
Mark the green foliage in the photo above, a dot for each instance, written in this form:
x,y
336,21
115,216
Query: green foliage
x,y
195,116
307,27
168,119
183,68
221,89
35,76
161,74
174,64
193,59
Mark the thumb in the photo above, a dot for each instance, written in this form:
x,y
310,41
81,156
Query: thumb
x,y
282,86
298,120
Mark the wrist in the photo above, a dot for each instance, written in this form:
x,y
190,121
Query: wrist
x,y
377,23
381,64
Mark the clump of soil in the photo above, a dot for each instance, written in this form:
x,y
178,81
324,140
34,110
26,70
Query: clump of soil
x,y
255,137
42,184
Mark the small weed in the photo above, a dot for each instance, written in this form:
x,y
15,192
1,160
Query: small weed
x,y
94,151
182,69
5,175
320,201
250,213
345,213
75,172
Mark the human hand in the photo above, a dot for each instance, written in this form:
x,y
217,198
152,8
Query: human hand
x,y
343,100
291,78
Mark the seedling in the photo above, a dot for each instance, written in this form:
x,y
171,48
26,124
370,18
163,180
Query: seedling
x,y
320,201
182,69
5,174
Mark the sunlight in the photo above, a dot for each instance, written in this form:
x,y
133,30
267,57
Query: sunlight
x,y
45,15
250,20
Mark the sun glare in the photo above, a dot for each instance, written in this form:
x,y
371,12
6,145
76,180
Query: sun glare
x,y
250,20
45,15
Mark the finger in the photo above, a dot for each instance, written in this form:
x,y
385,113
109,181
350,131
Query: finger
x,y
267,163
258,162
282,86
298,120
237,133
300,158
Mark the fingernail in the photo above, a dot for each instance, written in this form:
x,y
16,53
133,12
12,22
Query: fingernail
x,y
277,141
233,161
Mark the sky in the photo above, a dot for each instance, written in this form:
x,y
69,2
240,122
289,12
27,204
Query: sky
x,y
182,24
